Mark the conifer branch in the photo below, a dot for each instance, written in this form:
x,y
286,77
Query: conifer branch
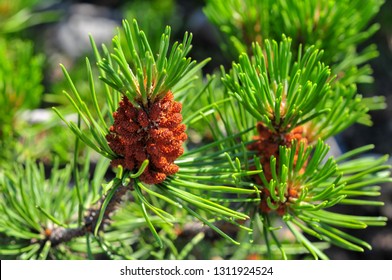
x,y
61,235
238,158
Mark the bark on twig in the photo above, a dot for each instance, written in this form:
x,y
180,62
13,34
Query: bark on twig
x,y
61,235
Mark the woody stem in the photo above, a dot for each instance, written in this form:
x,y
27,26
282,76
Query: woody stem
x,y
61,235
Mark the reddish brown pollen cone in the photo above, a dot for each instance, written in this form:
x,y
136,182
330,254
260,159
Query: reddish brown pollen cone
x,y
154,133
266,145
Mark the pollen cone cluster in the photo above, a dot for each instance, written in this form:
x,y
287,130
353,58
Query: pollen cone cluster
x,y
266,145
154,133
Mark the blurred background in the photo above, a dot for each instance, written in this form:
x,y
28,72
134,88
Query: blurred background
x,y
59,30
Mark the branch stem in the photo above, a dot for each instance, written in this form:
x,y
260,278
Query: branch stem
x,y
61,235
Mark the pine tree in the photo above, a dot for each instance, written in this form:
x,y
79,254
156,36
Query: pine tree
x,y
167,160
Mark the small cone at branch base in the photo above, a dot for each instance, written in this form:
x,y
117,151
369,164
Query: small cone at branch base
x,y
267,145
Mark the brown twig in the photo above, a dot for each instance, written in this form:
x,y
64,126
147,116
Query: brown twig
x,y
61,235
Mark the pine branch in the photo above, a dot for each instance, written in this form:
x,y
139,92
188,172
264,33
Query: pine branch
x,y
265,169
61,235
